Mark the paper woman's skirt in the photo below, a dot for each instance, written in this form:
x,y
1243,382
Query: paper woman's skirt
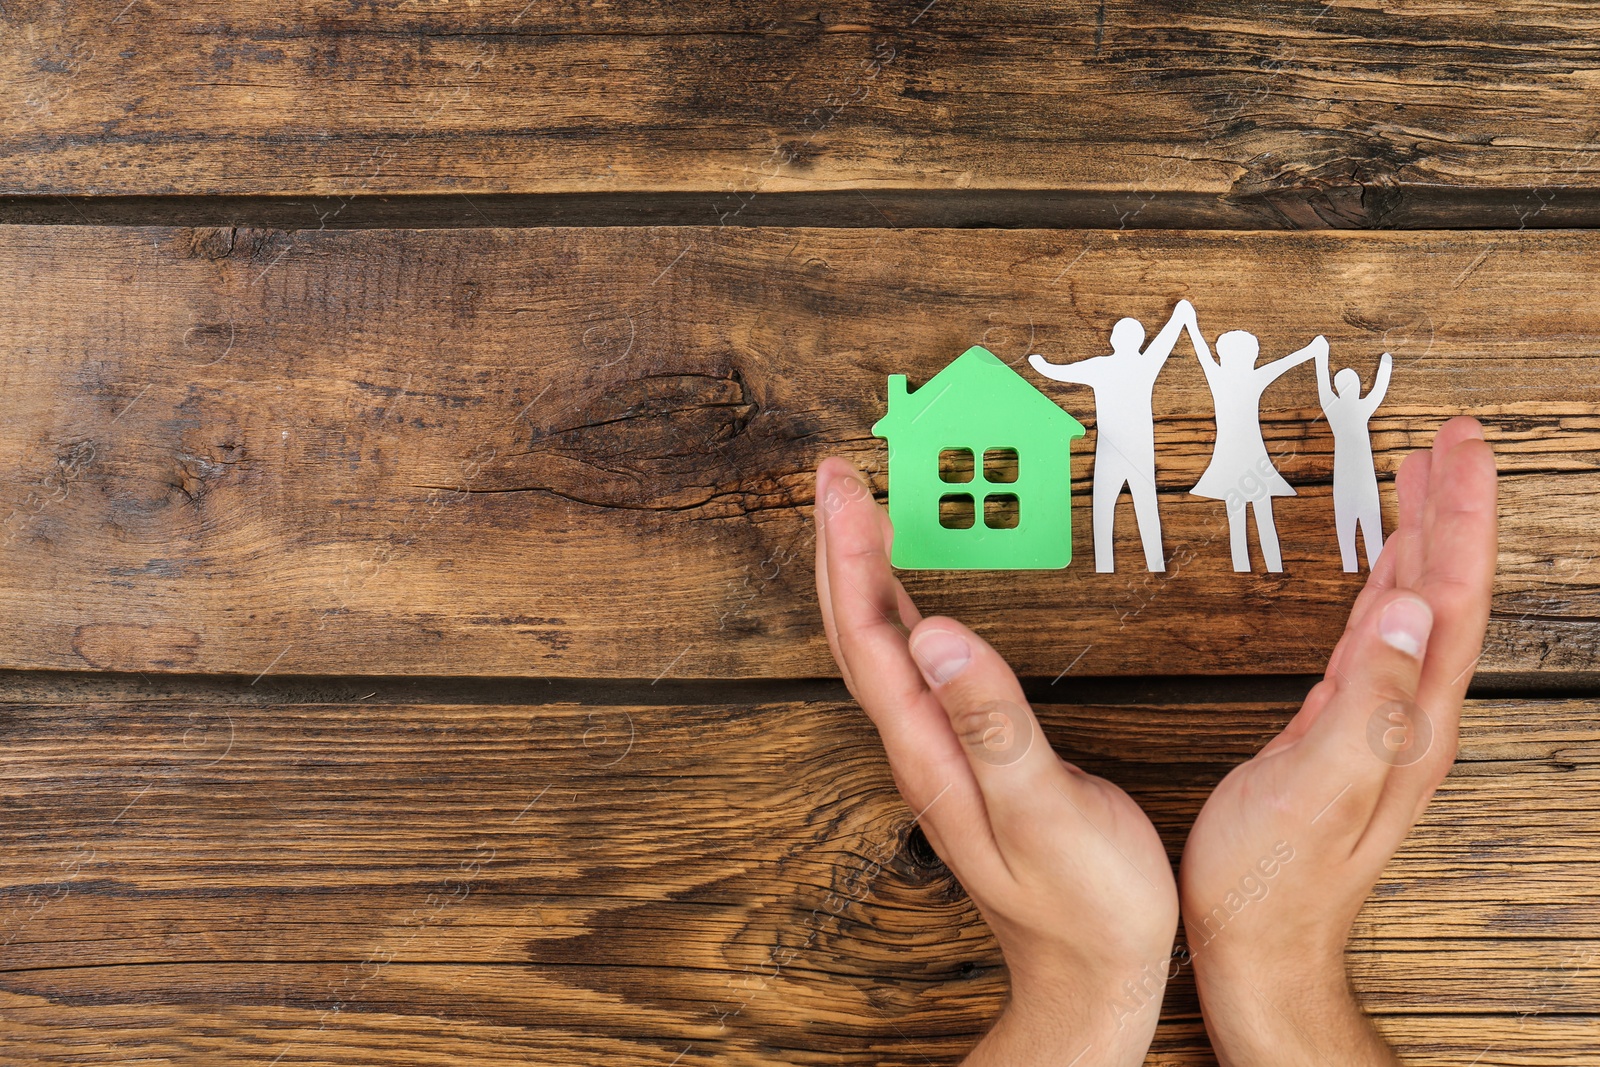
x,y
1247,482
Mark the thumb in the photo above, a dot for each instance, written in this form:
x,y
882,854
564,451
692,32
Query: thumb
x,y
1372,724
988,714
1385,664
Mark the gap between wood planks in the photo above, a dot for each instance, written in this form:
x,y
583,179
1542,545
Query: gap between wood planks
x,y
1408,208
36,687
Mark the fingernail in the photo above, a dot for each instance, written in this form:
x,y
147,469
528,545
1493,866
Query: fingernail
x,y
940,654
1476,431
842,488
1405,625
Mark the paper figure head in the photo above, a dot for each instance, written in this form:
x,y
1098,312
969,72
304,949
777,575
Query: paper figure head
x,y
1127,337
1347,383
1237,349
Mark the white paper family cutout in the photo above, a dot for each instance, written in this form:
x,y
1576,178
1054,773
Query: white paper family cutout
x,y
1125,441
1240,472
1355,480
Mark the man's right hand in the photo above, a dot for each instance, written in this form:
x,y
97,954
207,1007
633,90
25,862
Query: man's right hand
x,y
1291,843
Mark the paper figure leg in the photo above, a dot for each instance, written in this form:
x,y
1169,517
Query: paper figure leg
x,y
1267,531
1371,536
1149,515
1346,525
1106,492
1238,533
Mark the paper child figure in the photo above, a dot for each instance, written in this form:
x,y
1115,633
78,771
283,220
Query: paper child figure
x,y
1355,481
1125,436
1240,470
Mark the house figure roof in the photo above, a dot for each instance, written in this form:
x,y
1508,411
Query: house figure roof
x,y
981,390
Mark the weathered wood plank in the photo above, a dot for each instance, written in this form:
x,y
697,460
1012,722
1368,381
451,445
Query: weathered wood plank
x,y
160,1027
908,208
591,884
1261,113
434,1014
588,452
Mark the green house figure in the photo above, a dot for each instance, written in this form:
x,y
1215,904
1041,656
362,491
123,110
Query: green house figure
x,y
980,470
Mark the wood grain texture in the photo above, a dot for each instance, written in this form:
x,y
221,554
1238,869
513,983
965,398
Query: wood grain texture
x,y
1259,113
588,453
187,882
259,423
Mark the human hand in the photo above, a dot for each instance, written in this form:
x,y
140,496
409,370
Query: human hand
x,y
1291,843
1185,313
1064,867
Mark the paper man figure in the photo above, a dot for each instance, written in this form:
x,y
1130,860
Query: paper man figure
x,y
1355,481
1240,470
1125,436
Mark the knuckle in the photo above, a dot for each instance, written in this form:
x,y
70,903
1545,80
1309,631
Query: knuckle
x,y
1392,686
998,732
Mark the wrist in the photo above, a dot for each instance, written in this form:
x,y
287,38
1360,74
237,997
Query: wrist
x,y
1087,1016
1285,1011
1022,1037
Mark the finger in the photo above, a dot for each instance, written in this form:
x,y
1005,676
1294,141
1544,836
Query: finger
x,y
928,763
1459,550
906,608
1344,756
825,472
1380,581
1017,772
1411,485
1385,653
864,597
836,467
1456,430
1460,546
909,615
1011,760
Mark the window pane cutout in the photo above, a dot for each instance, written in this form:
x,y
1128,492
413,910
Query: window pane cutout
x,y
955,465
1001,511
1000,465
956,511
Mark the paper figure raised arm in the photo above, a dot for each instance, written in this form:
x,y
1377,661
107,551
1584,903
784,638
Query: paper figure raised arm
x,y
1125,441
1355,481
1240,471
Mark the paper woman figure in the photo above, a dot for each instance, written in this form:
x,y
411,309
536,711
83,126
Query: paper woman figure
x,y
1125,436
1240,471
1355,482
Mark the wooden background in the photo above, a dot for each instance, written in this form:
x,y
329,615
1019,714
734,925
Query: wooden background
x,y
406,428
